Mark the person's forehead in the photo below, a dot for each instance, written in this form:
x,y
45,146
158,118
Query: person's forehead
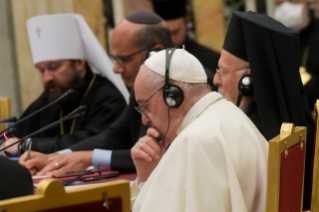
x,y
143,89
50,62
175,23
124,37
230,62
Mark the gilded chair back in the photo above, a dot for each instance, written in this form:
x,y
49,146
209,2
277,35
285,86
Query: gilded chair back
x,y
315,169
52,197
5,110
286,162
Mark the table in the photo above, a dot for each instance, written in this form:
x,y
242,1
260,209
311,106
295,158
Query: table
x,y
129,177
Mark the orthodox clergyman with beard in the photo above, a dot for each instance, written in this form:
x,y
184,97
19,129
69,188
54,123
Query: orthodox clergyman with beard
x,y
68,56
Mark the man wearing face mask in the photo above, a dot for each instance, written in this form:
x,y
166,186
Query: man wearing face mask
x,y
303,17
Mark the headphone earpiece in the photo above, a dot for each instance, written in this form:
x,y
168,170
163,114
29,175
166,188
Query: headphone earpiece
x,y
245,86
172,94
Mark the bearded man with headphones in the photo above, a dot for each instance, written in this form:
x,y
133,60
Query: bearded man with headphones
x,y
260,51
206,136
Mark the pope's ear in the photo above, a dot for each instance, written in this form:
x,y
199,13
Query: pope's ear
x,y
158,47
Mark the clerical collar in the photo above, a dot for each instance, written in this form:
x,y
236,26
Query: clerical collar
x,y
199,107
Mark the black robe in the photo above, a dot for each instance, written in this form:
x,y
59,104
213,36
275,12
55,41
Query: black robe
x,y
309,45
119,137
252,113
104,104
15,179
207,57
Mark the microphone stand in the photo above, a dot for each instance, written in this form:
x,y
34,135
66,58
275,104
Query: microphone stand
x,y
70,116
69,92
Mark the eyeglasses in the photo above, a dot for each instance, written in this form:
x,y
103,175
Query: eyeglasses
x,y
139,108
222,75
120,59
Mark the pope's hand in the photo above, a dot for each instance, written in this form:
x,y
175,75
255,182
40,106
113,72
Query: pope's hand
x,y
11,151
67,163
36,161
146,154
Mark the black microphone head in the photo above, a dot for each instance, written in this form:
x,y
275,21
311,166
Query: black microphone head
x,y
10,119
12,132
70,92
81,110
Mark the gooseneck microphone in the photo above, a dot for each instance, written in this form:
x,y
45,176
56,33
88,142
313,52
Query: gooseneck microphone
x,y
10,120
63,96
10,133
74,114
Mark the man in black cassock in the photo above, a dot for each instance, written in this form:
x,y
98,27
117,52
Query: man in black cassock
x,y
174,12
112,148
263,48
305,21
64,62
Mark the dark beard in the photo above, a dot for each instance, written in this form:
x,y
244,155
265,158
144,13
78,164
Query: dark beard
x,y
76,83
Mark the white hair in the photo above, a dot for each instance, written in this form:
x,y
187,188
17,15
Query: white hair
x,y
192,89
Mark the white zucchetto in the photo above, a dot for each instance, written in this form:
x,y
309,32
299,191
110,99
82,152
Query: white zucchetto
x,y
184,67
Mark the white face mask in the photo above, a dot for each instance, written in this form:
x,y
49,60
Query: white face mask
x,y
292,16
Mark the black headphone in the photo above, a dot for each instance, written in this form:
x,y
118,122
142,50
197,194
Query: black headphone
x,y
245,87
172,94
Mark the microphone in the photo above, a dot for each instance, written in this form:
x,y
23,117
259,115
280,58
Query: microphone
x,y
10,120
80,111
63,96
10,133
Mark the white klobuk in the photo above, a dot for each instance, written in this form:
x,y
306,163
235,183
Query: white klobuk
x,y
68,36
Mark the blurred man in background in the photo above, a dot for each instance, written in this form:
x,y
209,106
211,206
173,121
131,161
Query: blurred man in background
x,y
174,13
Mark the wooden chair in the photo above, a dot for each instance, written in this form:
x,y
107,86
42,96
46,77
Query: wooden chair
x,y
286,162
5,110
315,169
51,197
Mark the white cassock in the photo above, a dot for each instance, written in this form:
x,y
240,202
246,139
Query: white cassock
x,y
218,162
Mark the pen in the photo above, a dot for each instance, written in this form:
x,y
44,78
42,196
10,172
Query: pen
x,y
29,150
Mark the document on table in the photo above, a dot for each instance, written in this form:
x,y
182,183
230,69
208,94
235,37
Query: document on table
x,y
44,176
39,177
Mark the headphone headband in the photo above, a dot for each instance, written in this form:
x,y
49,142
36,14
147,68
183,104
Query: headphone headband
x,y
169,54
172,94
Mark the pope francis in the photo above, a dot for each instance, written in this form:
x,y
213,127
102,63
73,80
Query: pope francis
x,y
216,160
